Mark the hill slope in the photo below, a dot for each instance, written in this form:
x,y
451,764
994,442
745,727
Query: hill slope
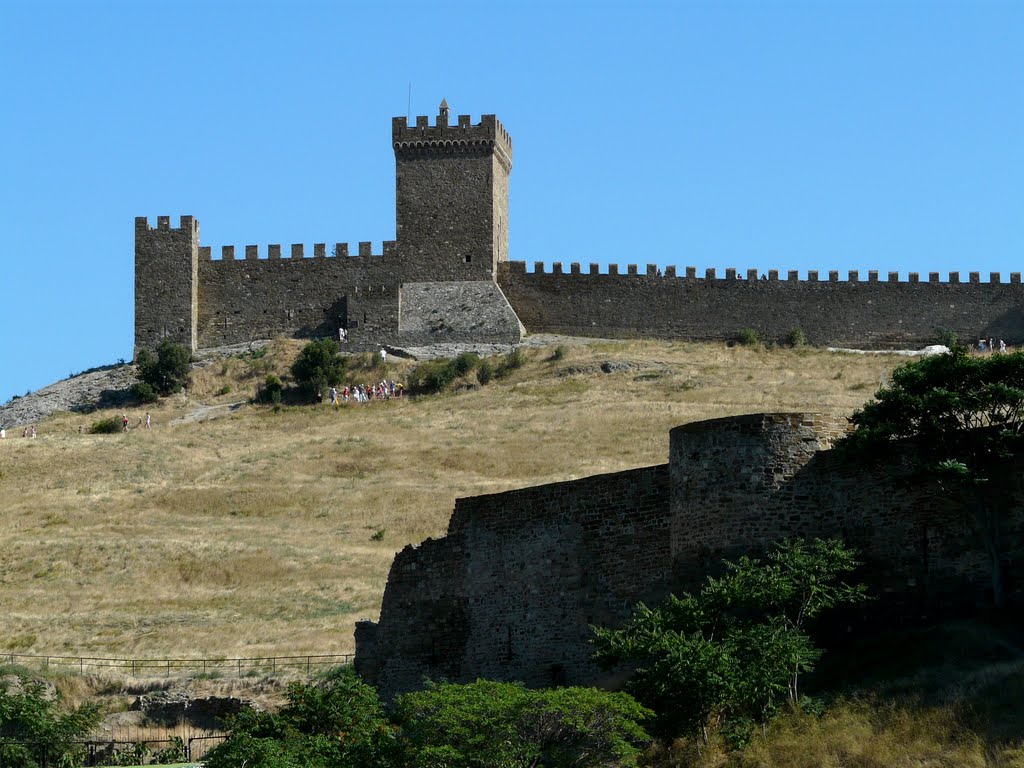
x,y
253,533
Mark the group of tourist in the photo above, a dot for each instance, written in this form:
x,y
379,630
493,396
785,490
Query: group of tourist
x,y
146,423
364,393
29,431
990,345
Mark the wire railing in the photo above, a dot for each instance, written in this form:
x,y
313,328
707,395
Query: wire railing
x,y
216,667
16,753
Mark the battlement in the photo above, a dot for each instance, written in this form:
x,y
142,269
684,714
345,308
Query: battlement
x,y
754,275
163,224
441,136
298,252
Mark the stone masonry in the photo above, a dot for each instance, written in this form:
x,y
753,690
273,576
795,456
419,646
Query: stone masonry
x,y
452,219
511,591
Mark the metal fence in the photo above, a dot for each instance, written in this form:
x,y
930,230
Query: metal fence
x,y
106,752
241,667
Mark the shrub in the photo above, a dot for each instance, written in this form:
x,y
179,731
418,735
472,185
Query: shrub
x,y
110,426
559,353
379,535
144,392
166,371
465,363
271,390
318,365
484,371
339,722
30,715
948,339
512,361
795,338
747,337
432,376
226,389
489,723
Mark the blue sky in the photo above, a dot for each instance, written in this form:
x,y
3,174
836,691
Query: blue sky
x,y
776,135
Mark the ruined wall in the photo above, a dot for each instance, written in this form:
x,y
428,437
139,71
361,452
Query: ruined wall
x,y
292,295
522,575
853,312
740,482
510,592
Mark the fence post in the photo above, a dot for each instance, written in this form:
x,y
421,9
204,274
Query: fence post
x,y
307,666
273,665
133,667
81,666
239,669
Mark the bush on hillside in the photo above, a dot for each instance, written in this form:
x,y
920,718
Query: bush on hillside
x,y
513,361
465,363
432,376
318,366
166,370
271,390
144,392
795,338
485,371
559,353
109,426
747,337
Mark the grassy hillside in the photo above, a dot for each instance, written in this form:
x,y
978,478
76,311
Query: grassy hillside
x,y
253,533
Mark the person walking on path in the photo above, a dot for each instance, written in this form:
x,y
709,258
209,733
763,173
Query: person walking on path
x,y
124,422
149,422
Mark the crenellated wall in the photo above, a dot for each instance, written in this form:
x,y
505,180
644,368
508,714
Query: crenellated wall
x,y
853,312
292,294
511,592
452,225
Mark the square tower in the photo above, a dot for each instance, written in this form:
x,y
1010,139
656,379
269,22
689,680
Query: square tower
x,y
451,197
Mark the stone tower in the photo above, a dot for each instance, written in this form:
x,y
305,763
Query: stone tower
x,y
166,282
451,197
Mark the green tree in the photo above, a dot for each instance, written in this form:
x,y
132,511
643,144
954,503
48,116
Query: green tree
x,y
338,723
318,366
166,371
485,724
738,646
30,720
963,415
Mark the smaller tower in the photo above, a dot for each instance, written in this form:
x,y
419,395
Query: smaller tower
x,y
166,282
442,113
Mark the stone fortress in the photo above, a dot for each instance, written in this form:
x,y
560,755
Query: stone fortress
x,y
511,591
447,278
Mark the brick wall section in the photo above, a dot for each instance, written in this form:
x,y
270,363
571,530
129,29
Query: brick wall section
x,y
511,591
253,298
476,311
841,313
521,575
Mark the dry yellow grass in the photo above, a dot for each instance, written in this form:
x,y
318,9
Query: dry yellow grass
x,y
857,734
250,534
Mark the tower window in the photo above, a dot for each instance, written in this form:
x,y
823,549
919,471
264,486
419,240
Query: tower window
x,y
469,259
